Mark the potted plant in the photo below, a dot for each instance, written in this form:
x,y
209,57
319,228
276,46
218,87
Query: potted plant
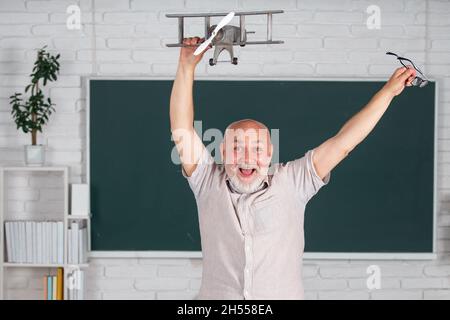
x,y
30,115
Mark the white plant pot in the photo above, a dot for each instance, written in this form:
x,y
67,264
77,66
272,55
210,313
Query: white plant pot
x,y
35,155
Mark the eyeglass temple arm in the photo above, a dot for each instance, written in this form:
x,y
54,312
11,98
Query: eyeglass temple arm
x,y
402,58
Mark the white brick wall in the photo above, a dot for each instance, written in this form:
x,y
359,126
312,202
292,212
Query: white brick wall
x,y
323,38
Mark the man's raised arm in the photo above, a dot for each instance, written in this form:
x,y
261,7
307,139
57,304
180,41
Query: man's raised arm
x,y
188,144
334,150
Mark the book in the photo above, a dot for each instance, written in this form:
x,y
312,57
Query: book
x,y
15,239
27,244
70,286
39,242
9,257
18,242
82,285
80,246
60,242
54,288
50,244
23,249
34,240
80,291
45,278
49,288
69,246
45,242
54,242
78,284
74,250
48,236
85,245
60,282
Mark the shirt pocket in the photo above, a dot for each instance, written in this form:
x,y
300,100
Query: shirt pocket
x,y
266,216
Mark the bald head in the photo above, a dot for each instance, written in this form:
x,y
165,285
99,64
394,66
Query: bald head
x,y
248,125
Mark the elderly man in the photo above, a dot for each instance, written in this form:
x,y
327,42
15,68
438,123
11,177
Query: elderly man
x,y
251,220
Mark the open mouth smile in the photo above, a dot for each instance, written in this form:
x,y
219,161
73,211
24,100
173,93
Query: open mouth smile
x,y
246,173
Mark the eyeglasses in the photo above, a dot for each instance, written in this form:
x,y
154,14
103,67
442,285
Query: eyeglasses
x,y
419,81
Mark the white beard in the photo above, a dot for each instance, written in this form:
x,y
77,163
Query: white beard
x,y
244,187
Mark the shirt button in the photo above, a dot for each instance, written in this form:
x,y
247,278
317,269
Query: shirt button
x,y
247,270
246,293
247,247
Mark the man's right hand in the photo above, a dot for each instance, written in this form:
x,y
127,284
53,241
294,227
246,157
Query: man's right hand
x,y
187,59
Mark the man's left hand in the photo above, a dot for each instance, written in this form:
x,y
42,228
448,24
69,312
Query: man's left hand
x,y
401,78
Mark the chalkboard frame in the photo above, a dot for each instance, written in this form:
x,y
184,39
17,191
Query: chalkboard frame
x,y
307,255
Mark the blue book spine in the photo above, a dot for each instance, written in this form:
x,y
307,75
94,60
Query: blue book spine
x,y
49,288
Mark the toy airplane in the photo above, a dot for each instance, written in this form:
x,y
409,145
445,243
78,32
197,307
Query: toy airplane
x,y
223,36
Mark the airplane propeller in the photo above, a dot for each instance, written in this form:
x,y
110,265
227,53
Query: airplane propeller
x,y
219,26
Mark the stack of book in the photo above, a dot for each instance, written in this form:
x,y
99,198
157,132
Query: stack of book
x,y
54,286
77,243
75,285
34,242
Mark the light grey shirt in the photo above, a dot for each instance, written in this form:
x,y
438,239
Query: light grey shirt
x,y
252,244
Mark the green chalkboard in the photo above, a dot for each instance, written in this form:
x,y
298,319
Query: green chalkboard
x,y
380,199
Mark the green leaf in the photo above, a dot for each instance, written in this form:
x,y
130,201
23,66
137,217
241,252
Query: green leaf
x,y
32,113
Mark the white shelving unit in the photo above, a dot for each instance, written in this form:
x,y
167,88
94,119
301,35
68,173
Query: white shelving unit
x,y
65,217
